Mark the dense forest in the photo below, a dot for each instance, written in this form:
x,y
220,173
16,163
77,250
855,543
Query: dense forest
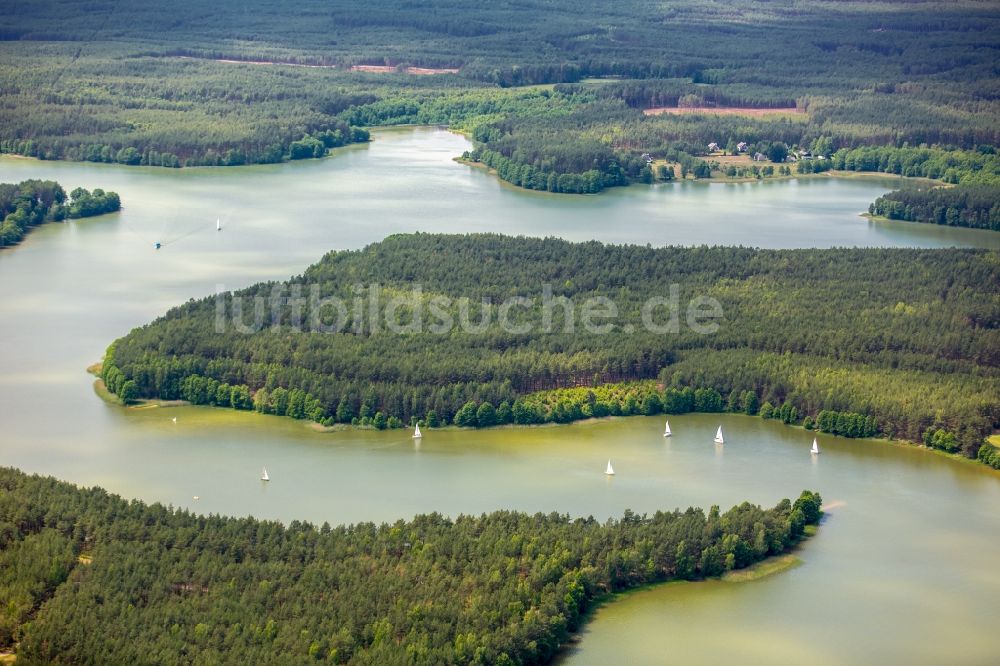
x,y
553,93
88,577
974,201
412,328
974,206
32,202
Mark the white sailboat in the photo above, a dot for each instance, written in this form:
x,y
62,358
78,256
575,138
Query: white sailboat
x,y
719,439
815,447
416,432
666,433
218,224
610,471
264,476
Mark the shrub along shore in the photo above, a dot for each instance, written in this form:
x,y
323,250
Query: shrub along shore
x,y
855,342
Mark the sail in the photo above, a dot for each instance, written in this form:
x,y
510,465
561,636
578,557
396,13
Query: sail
x,y
264,476
666,433
416,432
718,436
218,224
815,446
610,471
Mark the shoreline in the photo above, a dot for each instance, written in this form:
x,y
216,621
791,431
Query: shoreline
x,y
772,566
882,219
145,403
760,570
154,403
766,566
847,175
832,173
331,152
523,190
340,427
466,134
718,178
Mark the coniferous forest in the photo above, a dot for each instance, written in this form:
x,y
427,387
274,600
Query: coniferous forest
x,y
974,206
486,330
553,94
858,342
91,578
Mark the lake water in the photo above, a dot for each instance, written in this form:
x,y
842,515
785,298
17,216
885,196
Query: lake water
x,y
904,570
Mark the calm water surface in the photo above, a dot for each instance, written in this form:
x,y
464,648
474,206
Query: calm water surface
x,y
903,571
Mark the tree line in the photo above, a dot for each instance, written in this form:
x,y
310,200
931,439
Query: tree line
x,y
32,202
975,174
151,91
595,141
975,206
310,145
88,576
908,338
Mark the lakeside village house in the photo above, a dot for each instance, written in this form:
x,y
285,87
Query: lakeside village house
x,y
741,147
805,155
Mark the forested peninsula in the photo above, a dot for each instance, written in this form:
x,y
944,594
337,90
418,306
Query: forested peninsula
x,y
32,202
866,342
563,97
89,577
